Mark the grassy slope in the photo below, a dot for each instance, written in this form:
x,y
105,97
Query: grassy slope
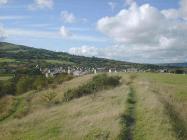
x,y
88,117
101,117
58,62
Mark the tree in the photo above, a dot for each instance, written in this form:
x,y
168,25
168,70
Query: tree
x,y
40,83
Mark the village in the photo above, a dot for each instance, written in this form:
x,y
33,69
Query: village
x,y
80,71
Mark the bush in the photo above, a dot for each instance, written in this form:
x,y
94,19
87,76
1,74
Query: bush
x,y
59,79
6,88
49,96
39,83
99,82
23,85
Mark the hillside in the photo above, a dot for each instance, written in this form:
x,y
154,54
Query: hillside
x,y
175,64
19,52
13,56
144,106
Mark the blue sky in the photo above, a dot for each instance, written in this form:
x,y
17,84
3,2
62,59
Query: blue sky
x,y
73,26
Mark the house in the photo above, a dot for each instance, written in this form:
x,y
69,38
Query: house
x,y
132,70
163,70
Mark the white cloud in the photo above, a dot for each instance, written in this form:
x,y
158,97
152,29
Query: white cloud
x,y
171,13
41,4
13,17
3,34
31,33
177,13
112,5
84,50
183,8
65,33
19,32
129,2
3,2
68,17
147,33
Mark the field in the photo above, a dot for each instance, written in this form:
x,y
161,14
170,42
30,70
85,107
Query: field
x,y
58,62
5,76
7,60
145,106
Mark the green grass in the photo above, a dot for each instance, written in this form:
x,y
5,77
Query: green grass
x,y
7,60
129,118
2,78
58,62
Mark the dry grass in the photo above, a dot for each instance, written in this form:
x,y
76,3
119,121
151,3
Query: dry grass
x,y
7,105
151,120
85,118
99,117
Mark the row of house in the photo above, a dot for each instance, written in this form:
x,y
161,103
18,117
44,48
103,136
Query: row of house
x,y
79,71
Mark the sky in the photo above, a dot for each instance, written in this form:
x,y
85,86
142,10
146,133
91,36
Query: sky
x,y
143,31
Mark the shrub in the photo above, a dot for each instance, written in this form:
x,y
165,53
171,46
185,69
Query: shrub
x,y
24,84
99,82
49,96
59,79
6,87
39,83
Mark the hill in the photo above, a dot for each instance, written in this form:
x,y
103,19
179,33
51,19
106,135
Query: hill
x,y
175,64
13,56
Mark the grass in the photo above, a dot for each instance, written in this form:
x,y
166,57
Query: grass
x,y
153,107
83,118
5,77
129,119
7,107
98,83
7,60
58,62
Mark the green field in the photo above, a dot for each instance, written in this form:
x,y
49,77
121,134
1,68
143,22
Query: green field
x,y
7,60
5,76
145,106
58,62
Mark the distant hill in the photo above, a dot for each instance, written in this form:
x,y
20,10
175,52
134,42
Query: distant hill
x,y
14,56
175,64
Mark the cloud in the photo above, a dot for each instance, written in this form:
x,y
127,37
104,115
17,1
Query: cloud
x,y
3,2
171,13
31,33
132,53
180,13
13,17
183,8
148,33
65,33
112,5
20,32
84,50
68,17
41,4
3,34
129,2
